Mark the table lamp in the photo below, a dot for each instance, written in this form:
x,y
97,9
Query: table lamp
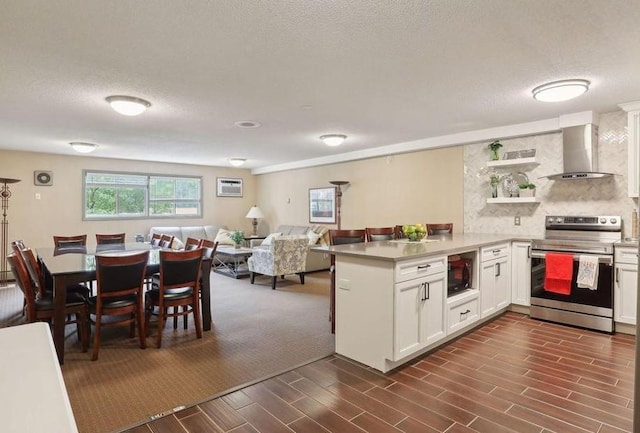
x,y
255,213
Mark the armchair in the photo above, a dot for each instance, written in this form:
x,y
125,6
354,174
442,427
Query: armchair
x,y
285,255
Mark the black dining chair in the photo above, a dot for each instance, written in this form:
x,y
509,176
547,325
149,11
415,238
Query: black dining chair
x,y
120,279
178,287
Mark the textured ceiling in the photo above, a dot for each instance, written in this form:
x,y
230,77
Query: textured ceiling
x,y
382,72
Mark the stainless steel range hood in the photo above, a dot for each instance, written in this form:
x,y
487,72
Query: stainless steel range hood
x,y
580,154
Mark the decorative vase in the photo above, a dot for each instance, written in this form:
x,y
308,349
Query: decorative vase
x,y
236,246
494,190
494,155
527,192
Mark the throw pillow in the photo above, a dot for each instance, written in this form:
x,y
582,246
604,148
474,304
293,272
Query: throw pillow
x,y
313,237
324,234
177,244
224,237
267,240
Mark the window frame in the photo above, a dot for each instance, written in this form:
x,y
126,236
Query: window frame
x,y
147,198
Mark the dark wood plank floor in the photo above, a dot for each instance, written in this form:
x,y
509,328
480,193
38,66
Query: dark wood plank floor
x,y
513,374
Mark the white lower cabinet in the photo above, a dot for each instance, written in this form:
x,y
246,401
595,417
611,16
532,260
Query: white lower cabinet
x,y
626,285
419,314
495,278
521,273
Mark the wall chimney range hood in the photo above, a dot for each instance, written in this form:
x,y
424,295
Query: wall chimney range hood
x,y
580,154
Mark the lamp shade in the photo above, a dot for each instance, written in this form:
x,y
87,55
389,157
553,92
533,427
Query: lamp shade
x,y
255,212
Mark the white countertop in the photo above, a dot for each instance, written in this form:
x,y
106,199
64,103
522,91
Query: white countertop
x,y
404,250
33,397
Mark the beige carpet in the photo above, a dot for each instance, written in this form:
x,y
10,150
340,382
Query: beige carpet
x,y
257,332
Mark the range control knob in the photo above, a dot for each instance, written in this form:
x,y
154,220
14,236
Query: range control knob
x,y
558,220
613,220
603,220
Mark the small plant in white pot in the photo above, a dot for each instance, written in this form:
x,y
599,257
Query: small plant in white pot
x,y
527,190
237,237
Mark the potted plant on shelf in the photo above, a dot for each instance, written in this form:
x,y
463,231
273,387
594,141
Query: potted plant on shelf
x,y
493,147
237,237
527,190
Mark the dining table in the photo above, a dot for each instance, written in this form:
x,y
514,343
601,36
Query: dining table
x,y
75,265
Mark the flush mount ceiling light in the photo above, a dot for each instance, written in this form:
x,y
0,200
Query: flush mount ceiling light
x,y
246,124
83,147
128,105
237,162
562,90
333,139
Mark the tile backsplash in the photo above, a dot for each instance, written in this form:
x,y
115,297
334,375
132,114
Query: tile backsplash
x,y
606,196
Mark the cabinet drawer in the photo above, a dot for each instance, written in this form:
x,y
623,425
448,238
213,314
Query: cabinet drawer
x,y
461,315
419,268
494,251
626,255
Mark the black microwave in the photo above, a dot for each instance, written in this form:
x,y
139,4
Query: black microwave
x,y
459,275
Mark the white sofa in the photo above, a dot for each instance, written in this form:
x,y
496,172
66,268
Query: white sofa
x,y
315,261
182,233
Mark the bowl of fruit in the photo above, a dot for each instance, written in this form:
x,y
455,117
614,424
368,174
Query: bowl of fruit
x,y
414,233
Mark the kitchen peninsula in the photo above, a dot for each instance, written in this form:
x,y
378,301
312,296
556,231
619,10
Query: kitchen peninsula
x,y
394,299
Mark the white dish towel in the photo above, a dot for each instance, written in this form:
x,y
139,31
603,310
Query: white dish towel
x,y
588,272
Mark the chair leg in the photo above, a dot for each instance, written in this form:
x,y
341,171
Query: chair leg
x,y
83,332
253,277
195,308
162,318
175,318
273,282
142,334
96,337
301,274
185,318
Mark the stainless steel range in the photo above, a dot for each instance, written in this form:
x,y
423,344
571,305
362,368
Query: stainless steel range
x,y
590,236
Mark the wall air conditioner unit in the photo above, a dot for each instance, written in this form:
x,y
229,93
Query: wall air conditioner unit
x,y
228,187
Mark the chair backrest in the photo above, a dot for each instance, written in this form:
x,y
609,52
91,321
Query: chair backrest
x,y
439,229
180,268
116,238
155,239
289,253
379,233
208,251
70,241
192,244
340,237
23,281
17,245
166,241
397,231
35,272
122,274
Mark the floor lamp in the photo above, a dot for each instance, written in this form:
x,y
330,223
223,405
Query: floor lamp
x,y
5,193
338,184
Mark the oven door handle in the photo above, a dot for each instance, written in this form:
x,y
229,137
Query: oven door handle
x,y
607,260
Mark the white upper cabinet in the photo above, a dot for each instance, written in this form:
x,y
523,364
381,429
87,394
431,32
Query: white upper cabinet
x,y
633,113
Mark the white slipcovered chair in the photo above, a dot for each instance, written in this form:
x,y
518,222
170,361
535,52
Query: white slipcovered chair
x,y
285,255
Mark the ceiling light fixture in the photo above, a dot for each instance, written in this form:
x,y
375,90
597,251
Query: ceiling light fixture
x,y
83,147
562,90
237,162
333,139
128,105
247,124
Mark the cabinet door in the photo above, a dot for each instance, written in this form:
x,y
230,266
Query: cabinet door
x,y
503,283
419,314
408,306
625,292
521,273
433,325
495,286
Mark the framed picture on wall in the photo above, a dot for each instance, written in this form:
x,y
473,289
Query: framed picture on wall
x,y
229,187
322,205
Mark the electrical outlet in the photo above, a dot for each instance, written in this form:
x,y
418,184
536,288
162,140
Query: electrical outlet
x,y
516,221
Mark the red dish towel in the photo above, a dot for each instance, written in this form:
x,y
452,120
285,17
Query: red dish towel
x,y
558,273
